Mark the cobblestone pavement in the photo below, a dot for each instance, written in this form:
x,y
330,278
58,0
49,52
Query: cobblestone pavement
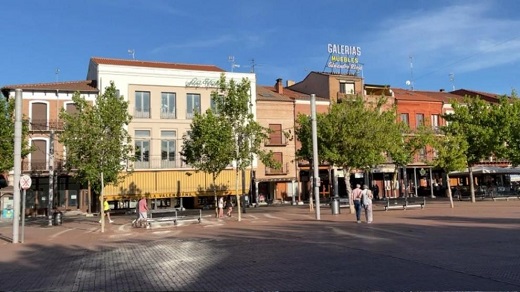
x,y
471,247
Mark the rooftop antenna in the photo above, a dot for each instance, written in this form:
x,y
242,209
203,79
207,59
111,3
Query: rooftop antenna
x,y
233,65
131,52
452,80
253,65
57,72
410,82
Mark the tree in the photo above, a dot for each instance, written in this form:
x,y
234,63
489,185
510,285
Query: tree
x,y
405,143
450,156
96,138
209,146
507,115
352,135
233,102
7,121
476,121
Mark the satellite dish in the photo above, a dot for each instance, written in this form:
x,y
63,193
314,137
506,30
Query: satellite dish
x,y
408,82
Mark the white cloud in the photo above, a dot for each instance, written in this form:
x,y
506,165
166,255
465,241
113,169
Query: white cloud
x,y
463,36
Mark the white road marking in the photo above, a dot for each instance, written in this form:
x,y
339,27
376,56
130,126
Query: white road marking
x,y
274,217
357,235
59,233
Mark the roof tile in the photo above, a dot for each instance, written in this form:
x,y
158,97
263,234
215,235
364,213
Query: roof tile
x,y
164,65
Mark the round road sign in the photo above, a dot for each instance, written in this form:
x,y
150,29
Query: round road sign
x,y
25,182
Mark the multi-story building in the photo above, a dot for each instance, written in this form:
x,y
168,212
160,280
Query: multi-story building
x,y
163,98
276,112
41,105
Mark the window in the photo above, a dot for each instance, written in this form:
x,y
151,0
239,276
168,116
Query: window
x,y
168,149
422,154
213,105
142,148
404,119
193,105
71,108
39,155
39,116
419,120
346,87
435,122
278,158
275,134
142,104
168,105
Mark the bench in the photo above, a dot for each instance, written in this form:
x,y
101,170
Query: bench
x,y
173,215
402,203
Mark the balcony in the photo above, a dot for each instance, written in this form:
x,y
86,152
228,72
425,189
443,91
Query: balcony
x,y
41,165
41,125
158,163
277,141
142,114
277,171
340,96
168,115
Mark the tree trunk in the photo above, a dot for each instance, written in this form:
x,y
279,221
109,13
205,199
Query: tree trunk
x,y
239,210
471,184
394,188
215,195
449,190
346,173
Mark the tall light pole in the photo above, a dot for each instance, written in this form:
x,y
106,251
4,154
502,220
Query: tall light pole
x,y
315,167
17,162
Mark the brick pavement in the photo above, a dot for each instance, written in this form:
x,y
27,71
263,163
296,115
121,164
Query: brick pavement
x,y
470,247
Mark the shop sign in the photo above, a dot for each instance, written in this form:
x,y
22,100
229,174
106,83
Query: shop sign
x,y
344,57
199,82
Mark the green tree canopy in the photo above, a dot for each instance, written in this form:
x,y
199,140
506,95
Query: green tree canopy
x,y
481,125
7,121
209,145
96,138
233,103
352,135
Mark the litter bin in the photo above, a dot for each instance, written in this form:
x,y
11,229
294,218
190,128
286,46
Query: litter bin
x,y
334,206
57,218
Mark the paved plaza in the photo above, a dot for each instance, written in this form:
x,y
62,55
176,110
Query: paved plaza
x,y
474,246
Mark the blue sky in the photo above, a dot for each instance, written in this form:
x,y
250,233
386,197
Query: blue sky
x,y
477,42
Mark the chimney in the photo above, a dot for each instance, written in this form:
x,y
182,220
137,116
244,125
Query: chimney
x,y
441,90
279,86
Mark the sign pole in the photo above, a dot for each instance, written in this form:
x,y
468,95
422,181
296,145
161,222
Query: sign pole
x,y
25,183
22,233
17,163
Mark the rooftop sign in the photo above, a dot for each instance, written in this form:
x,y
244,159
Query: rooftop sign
x,y
344,57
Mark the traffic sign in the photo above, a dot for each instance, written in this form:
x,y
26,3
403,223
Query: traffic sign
x,y
25,182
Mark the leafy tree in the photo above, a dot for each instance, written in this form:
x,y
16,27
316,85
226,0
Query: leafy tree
x,y
406,143
450,156
507,115
209,145
7,121
233,103
96,138
476,121
352,135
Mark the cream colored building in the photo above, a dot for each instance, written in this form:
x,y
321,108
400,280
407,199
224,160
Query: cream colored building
x,y
163,98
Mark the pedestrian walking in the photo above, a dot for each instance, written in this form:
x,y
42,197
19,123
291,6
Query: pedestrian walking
x,y
366,201
106,211
229,206
220,207
143,211
356,197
